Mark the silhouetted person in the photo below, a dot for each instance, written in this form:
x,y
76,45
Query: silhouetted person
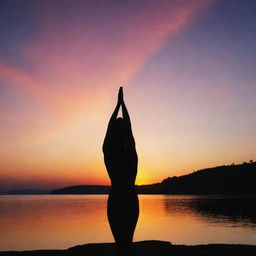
x,y
121,162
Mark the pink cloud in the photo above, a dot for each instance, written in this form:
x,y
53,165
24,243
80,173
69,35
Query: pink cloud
x,y
82,52
85,49
78,51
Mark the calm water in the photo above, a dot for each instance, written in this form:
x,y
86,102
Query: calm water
x,y
62,221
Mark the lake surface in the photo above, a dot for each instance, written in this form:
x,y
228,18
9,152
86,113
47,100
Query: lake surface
x,y
61,221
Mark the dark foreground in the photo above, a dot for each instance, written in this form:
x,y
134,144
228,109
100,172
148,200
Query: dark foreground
x,y
146,248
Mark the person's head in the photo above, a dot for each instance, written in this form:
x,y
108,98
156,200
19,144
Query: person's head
x,y
119,130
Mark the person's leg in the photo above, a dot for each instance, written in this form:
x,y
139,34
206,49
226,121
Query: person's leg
x,y
123,212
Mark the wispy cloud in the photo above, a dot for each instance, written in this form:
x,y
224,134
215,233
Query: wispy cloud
x,y
84,49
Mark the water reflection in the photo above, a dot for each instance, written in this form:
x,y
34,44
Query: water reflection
x,y
62,221
45,222
237,211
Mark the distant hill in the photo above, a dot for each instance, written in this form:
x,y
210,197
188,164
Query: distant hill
x,y
26,192
220,180
82,189
223,180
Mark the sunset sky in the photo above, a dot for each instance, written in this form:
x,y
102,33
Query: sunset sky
x,y
188,72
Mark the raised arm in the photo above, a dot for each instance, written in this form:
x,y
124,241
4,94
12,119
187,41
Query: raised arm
x,y
126,116
115,113
111,121
119,102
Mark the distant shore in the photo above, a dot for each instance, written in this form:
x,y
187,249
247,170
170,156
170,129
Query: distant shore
x,y
149,248
232,179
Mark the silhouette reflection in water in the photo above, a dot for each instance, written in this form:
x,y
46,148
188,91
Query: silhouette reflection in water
x,y
121,161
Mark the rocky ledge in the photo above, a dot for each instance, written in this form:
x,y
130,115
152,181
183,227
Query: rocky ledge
x,y
147,248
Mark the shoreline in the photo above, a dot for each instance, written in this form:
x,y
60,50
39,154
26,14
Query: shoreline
x,y
148,247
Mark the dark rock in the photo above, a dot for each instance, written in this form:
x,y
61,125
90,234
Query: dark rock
x,y
147,248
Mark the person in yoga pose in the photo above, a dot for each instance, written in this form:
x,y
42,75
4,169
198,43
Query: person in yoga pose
x,y
121,162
